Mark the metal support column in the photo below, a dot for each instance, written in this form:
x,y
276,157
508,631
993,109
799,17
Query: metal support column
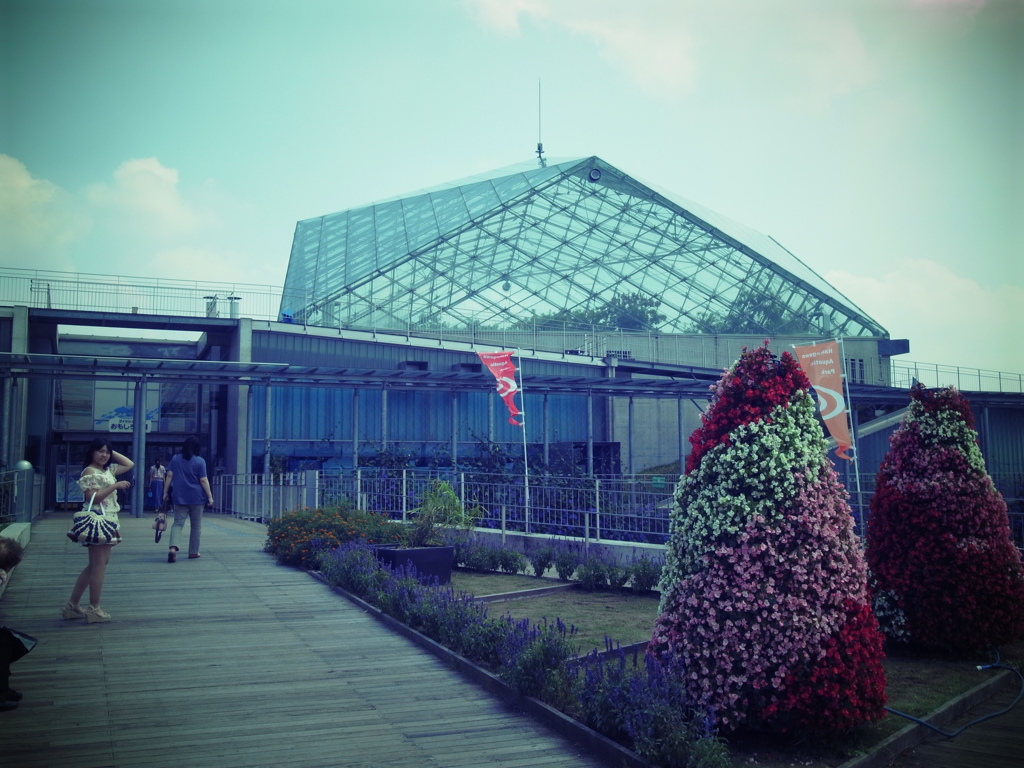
x,y
547,431
455,428
629,435
680,419
590,434
138,494
266,439
355,429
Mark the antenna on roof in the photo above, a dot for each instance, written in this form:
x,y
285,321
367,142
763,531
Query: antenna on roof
x,y
540,144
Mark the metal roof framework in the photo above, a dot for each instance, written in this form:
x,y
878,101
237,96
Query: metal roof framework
x,y
45,366
558,241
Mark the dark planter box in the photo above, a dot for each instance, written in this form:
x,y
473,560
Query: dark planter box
x,y
429,562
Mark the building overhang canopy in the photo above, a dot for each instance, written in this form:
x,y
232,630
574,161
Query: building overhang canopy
x,y
691,384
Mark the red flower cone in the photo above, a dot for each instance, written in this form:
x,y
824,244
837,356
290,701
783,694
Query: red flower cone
x,y
764,592
945,572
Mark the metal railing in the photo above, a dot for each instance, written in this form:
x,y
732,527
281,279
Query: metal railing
x,y
905,374
187,298
8,495
138,295
630,509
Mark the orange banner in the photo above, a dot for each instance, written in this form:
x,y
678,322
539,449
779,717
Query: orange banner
x,y
500,364
823,364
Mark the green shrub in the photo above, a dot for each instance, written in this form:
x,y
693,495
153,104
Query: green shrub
x,y
297,538
541,559
511,561
646,573
535,660
354,568
439,516
479,557
567,560
592,574
618,575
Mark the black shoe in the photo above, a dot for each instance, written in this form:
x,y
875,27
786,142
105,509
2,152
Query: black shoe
x,y
9,700
12,695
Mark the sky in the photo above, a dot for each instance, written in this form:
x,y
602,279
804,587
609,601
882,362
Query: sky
x,y
880,141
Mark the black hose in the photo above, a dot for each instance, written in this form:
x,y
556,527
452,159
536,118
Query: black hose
x,y
962,728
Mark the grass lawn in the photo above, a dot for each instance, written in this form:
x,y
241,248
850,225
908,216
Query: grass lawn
x,y
625,617
917,685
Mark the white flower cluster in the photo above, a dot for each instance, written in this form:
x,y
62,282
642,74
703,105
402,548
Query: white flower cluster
x,y
947,429
753,475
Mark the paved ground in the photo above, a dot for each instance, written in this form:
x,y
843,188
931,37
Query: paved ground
x,y
232,661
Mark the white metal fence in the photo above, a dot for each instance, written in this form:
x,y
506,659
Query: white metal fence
x,y
629,508
8,496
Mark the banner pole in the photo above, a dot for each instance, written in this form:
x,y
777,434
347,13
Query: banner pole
x,y
526,461
853,435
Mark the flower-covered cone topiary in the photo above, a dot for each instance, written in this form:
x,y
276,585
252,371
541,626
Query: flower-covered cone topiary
x,y
764,592
944,569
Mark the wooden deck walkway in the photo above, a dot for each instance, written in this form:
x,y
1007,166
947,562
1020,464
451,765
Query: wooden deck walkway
x,y
230,661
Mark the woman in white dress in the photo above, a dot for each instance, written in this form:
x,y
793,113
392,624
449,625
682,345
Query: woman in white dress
x,y
99,477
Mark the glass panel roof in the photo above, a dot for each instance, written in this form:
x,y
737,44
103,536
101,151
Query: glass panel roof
x,y
576,242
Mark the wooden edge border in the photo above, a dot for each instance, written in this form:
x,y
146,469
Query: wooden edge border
x,y
609,752
901,741
614,754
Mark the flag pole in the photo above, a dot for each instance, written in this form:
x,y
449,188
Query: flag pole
x,y
526,461
853,435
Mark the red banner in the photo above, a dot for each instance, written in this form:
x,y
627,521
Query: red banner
x,y
504,370
823,365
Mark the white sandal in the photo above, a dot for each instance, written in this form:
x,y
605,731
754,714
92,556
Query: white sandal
x,y
94,614
72,611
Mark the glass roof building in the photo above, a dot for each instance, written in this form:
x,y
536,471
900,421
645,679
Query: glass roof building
x,y
572,243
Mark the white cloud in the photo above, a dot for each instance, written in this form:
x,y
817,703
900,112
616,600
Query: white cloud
x,y
831,58
146,194
949,319
39,220
142,222
654,48
664,46
504,15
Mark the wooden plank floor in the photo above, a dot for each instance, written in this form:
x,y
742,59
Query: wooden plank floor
x,y
231,661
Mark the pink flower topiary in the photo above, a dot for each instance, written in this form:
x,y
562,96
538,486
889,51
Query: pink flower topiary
x,y
764,591
945,572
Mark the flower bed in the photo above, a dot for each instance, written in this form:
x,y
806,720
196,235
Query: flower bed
x,y
299,537
642,706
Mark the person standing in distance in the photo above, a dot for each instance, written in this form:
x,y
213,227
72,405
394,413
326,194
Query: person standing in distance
x,y
188,489
156,482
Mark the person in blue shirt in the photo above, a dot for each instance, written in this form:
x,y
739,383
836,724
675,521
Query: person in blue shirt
x,y
188,489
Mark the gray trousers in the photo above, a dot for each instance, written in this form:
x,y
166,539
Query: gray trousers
x,y
194,514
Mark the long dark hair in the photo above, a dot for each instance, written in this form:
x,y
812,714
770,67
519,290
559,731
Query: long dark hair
x,y
190,447
94,446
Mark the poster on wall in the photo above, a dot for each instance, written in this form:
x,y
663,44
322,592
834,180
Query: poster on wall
x,y
114,411
66,480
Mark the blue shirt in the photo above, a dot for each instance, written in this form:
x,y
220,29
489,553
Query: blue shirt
x,y
185,487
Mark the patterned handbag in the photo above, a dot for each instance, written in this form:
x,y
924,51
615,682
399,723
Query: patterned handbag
x,y
91,526
160,524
